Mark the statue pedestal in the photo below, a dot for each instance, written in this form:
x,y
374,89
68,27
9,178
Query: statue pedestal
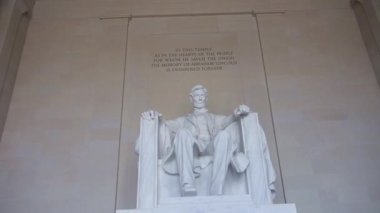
x,y
213,204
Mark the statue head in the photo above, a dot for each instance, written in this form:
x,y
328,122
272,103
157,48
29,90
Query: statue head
x,y
198,96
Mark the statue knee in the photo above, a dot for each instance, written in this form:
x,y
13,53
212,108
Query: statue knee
x,y
183,132
183,137
223,134
222,139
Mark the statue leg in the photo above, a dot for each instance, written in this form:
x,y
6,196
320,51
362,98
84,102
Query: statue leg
x,y
222,157
184,145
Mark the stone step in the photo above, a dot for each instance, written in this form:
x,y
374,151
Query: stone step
x,y
235,199
217,208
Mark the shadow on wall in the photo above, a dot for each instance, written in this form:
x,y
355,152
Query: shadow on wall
x,y
14,20
369,25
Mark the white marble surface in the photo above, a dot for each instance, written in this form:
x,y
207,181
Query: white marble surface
x,y
191,143
259,172
218,208
213,204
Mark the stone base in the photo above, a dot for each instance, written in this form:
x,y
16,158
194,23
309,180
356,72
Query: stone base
x,y
213,204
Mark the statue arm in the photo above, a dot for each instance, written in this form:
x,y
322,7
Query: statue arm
x,y
147,132
239,112
173,125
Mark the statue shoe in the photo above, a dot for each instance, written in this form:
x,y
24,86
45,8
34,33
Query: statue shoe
x,y
189,190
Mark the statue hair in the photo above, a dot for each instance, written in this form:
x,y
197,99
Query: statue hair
x,y
198,87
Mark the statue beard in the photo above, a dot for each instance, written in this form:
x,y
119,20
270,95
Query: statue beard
x,y
199,105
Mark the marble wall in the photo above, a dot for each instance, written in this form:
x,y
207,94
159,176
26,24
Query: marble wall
x,y
326,110
60,147
60,144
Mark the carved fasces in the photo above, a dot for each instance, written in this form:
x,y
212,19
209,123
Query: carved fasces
x,y
260,172
147,147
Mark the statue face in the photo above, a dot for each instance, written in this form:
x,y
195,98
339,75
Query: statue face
x,y
199,99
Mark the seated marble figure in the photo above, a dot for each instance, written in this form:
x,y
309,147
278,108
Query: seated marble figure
x,y
206,133
201,139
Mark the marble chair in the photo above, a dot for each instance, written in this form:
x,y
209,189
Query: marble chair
x,y
254,185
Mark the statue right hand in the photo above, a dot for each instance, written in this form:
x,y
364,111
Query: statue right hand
x,y
150,115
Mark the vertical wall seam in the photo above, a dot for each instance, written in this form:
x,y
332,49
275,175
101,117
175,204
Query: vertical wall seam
x,y
121,113
270,106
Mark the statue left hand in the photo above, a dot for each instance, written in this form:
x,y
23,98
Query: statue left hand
x,y
242,110
150,115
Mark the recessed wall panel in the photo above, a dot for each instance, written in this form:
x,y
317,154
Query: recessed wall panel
x,y
167,56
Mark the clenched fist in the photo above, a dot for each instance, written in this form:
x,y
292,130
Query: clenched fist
x,y
242,110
